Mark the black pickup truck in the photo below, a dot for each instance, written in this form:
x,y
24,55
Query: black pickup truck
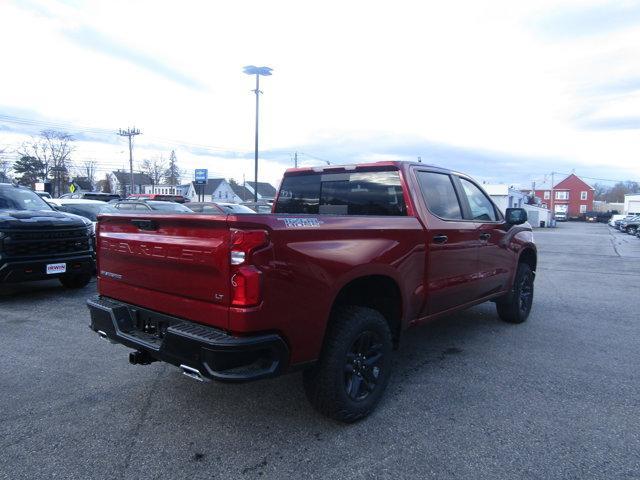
x,y
38,243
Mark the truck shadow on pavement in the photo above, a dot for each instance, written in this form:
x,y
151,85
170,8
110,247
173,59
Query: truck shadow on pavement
x,y
281,401
40,290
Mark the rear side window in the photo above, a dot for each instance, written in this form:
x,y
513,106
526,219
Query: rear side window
x,y
357,193
440,195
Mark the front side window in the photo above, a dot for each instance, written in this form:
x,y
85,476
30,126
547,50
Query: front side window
x,y
357,193
481,207
562,195
547,195
583,208
440,195
583,195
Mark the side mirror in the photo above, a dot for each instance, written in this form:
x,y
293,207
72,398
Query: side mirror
x,y
516,216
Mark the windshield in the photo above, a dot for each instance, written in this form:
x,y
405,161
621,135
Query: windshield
x,y
12,198
168,207
88,210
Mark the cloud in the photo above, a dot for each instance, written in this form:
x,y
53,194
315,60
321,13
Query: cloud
x,y
621,86
92,39
572,22
613,123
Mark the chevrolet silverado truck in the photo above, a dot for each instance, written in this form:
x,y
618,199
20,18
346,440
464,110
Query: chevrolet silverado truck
x,y
39,243
349,259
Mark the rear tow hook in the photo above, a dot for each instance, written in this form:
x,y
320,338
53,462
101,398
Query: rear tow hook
x,y
140,358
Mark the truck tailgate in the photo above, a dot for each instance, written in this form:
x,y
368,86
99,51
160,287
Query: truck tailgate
x,y
180,260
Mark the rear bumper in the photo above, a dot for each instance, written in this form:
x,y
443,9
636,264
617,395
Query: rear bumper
x,y
22,270
212,352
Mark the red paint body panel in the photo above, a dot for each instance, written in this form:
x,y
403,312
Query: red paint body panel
x,y
182,267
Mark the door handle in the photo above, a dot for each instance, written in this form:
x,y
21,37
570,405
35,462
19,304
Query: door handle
x,y
485,236
440,239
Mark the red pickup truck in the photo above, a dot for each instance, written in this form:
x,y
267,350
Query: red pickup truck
x,y
350,257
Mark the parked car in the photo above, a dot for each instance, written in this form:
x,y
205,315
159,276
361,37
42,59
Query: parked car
x,y
89,209
159,197
103,197
614,218
140,206
260,207
206,207
561,216
39,243
44,195
352,257
630,225
591,217
217,208
617,224
236,209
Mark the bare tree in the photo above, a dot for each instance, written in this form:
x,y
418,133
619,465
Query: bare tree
x,y
155,168
53,149
5,166
88,170
104,185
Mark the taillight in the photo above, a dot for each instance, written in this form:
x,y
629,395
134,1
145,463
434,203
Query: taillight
x,y
245,279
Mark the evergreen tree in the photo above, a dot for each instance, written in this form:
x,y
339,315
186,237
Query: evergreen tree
x,y
29,170
172,173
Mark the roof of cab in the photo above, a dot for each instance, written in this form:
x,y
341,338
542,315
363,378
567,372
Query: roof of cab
x,y
381,165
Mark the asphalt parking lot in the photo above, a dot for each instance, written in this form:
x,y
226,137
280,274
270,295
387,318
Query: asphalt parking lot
x,y
472,397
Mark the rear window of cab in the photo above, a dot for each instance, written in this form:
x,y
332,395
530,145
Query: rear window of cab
x,y
353,193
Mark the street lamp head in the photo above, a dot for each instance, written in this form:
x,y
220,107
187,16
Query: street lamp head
x,y
253,70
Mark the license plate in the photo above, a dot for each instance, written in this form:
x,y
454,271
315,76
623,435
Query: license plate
x,y
53,268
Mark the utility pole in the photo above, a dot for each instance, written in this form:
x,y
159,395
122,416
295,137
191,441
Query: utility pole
x,y
295,160
553,212
130,132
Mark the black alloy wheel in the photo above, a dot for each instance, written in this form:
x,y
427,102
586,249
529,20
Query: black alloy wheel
x,y
363,366
526,293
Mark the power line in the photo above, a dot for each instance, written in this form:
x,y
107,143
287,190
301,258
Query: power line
x,y
104,131
315,158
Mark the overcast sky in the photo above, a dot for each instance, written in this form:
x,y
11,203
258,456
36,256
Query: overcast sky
x,y
504,90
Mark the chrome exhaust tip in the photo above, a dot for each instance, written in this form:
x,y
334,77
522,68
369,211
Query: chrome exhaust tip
x,y
193,373
104,336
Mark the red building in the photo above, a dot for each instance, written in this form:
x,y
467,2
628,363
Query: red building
x,y
572,195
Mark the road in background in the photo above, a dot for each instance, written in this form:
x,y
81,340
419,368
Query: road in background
x,y
472,397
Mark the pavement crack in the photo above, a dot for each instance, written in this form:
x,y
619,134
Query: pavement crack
x,y
613,243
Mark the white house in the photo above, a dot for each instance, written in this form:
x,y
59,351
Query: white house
x,y
120,182
162,189
215,190
505,196
266,191
631,204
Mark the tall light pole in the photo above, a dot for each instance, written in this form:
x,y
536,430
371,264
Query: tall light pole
x,y
257,71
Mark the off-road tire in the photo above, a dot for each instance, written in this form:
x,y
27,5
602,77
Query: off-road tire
x,y
516,305
78,280
331,383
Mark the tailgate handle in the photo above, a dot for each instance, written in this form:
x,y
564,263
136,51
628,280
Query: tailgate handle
x,y
145,224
